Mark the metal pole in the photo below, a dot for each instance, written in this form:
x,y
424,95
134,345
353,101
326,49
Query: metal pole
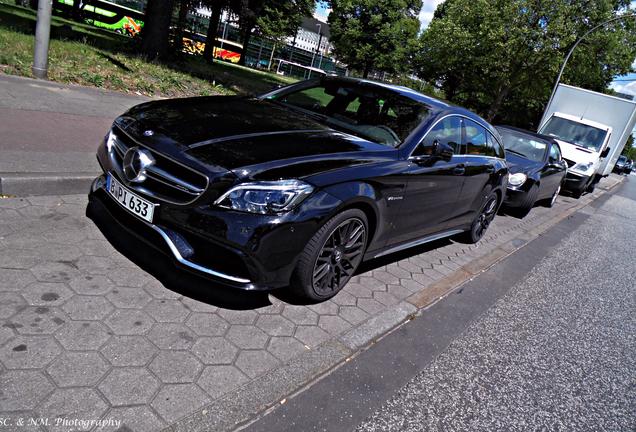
x,y
42,33
567,57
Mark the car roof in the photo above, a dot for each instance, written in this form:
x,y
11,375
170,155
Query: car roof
x,y
441,107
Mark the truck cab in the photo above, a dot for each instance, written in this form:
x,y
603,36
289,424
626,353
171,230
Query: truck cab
x,y
583,144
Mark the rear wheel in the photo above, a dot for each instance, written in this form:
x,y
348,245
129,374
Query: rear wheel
x,y
482,221
332,256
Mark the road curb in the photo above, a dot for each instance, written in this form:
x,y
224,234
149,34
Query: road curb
x,y
29,184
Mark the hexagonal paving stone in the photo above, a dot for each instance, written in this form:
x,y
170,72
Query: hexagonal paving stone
x,y
128,350
219,380
46,294
157,290
77,369
300,315
23,390
370,306
10,303
333,324
275,325
172,336
54,272
255,363
38,320
207,324
325,308
5,334
247,337
26,352
89,308
198,306
137,419
173,400
285,348
129,386
238,316
214,350
353,314
132,278
311,336
129,322
167,310
82,335
14,279
175,367
97,265
72,403
14,259
129,298
91,285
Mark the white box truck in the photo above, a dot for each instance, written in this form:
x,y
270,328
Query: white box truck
x,y
592,129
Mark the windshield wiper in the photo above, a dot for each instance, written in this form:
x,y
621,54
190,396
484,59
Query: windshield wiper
x,y
517,153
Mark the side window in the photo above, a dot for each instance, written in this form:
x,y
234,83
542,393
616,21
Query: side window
x,y
475,139
555,153
313,99
495,147
447,131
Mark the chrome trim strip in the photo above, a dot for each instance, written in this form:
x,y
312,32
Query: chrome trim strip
x,y
192,265
166,175
420,241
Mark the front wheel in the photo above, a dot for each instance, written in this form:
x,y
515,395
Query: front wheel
x,y
550,203
332,256
482,221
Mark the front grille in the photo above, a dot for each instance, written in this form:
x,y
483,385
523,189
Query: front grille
x,y
569,162
165,179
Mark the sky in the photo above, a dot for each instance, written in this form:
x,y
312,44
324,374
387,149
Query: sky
x,y
621,84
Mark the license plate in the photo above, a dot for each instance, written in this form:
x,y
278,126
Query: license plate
x,y
129,200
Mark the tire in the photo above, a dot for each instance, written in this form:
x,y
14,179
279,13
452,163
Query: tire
x,y
577,193
552,200
325,266
526,205
481,223
590,188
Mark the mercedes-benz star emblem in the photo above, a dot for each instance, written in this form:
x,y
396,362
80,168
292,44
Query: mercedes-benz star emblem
x,y
136,161
149,132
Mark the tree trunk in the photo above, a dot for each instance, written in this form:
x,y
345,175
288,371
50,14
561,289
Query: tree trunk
x,y
247,35
365,72
496,105
184,7
210,39
155,32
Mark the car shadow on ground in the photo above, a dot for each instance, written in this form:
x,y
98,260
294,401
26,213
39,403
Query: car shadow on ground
x,y
188,284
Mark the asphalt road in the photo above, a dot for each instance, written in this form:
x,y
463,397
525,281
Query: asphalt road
x,y
557,353
545,340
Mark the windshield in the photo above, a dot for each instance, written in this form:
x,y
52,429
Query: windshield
x,y
575,133
523,145
367,111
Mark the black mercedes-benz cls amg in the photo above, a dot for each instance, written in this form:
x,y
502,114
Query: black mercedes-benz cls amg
x,y
299,186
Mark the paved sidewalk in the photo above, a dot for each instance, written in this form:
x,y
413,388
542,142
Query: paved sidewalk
x,y
85,333
50,132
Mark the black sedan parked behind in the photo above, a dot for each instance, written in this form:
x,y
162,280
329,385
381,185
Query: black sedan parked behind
x,y
297,187
537,169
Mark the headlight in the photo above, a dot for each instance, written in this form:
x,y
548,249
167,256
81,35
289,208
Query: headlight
x,y
266,197
517,179
583,167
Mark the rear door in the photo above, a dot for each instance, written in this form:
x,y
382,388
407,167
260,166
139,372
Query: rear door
x,y
433,183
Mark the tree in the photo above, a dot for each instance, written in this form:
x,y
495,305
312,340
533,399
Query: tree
x,y
216,7
501,57
274,19
374,34
155,34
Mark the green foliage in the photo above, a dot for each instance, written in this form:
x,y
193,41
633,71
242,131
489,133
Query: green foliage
x,y
629,150
501,57
375,34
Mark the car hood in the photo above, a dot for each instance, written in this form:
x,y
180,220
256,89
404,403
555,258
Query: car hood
x,y
253,138
519,164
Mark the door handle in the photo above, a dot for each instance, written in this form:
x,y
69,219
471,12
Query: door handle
x,y
459,169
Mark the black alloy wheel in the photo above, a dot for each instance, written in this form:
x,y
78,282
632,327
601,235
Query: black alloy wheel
x,y
332,256
483,220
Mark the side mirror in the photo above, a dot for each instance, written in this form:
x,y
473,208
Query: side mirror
x,y
442,150
605,152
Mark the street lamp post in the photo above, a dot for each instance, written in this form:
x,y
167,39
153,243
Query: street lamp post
x,y
313,56
42,32
567,57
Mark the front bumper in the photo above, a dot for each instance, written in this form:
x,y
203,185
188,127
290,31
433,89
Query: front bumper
x,y
514,197
576,182
246,251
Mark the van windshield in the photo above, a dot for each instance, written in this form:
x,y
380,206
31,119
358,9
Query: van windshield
x,y
575,133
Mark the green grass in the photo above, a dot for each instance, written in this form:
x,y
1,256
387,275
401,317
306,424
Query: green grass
x,y
86,55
